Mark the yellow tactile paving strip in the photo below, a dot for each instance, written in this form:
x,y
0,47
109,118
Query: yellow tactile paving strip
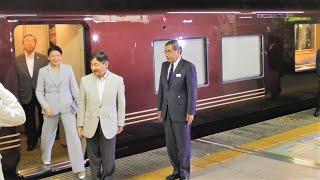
x,y
216,158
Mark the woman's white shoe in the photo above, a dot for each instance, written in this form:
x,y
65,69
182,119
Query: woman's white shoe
x,y
47,163
82,175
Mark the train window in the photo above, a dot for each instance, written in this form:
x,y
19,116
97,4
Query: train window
x,y
305,46
241,57
193,50
70,37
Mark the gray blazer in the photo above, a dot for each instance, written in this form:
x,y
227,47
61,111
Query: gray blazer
x,y
178,97
58,95
26,84
111,109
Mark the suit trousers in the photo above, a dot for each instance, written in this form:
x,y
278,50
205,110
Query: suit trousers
x,y
73,141
1,173
178,142
32,131
318,99
101,153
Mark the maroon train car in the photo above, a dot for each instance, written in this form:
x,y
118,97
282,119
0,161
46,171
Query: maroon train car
x,y
232,50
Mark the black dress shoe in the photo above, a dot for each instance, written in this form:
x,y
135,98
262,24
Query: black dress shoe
x,y
173,177
64,145
184,178
31,147
316,113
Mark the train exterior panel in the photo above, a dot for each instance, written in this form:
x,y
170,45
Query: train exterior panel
x,y
131,41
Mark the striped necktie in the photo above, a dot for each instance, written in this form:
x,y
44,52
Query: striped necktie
x,y
170,72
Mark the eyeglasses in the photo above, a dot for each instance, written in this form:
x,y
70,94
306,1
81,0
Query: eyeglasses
x,y
96,64
168,51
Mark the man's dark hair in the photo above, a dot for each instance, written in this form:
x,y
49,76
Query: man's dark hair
x,y
29,35
100,56
175,45
54,48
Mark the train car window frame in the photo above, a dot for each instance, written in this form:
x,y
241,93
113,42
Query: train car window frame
x,y
86,49
260,54
305,57
86,35
156,76
310,30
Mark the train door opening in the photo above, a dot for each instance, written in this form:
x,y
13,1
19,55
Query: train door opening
x,y
71,39
306,37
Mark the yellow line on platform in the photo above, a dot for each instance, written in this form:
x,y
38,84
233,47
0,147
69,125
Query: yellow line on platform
x,y
222,156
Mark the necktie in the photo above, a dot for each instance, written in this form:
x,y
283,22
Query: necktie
x,y
170,72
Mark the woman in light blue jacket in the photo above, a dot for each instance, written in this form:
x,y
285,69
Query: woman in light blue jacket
x,y
57,92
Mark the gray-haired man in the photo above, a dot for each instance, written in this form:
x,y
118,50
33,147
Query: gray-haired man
x,y
177,97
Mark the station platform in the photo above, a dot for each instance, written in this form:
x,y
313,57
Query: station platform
x,y
286,147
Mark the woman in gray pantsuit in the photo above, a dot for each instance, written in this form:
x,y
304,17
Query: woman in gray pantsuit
x,y
57,92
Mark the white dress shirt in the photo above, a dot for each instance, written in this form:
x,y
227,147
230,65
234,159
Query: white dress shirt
x,y
175,64
100,85
30,62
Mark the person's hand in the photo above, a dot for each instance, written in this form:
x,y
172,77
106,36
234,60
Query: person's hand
x,y
159,116
47,111
120,129
189,119
80,131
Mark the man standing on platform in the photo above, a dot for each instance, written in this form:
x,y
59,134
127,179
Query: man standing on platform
x,y
317,111
177,97
101,115
28,65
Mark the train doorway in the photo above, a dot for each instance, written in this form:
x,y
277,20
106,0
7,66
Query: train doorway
x,y
71,39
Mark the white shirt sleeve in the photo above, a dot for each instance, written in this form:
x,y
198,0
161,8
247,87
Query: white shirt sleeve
x,y
11,112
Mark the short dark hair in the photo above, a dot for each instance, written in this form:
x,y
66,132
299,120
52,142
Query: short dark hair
x,y
29,35
100,56
54,48
175,45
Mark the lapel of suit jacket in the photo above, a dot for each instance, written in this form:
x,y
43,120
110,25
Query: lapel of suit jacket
x,y
107,86
50,74
93,84
178,68
36,65
24,66
63,73
167,64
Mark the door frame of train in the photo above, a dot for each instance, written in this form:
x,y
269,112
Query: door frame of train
x,y
55,20
18,20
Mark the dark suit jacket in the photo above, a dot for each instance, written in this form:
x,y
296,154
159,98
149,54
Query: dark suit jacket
x,y
318,63
26,84
178,97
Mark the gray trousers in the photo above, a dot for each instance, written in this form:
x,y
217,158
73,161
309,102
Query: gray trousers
x,y
101,153
178,142
49,130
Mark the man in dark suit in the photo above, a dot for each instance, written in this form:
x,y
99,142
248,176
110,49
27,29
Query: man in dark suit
x,y
177,97
275,65
28,65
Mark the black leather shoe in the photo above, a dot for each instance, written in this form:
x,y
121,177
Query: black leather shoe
x,y
31,148
173,177
64,145
316,113
184,178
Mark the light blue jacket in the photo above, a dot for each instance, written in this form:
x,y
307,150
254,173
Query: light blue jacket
x,y
62,95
